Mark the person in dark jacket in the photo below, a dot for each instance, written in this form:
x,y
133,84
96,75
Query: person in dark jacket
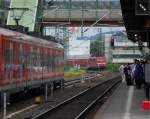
x,y
127,72
138,74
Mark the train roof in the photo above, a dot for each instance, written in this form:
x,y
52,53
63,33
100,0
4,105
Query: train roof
x,y
32,39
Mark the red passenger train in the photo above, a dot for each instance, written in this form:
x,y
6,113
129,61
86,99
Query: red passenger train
x,y
89,63
27,61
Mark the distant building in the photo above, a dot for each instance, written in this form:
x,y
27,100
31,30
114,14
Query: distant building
x,y
107,47
124,51
79,47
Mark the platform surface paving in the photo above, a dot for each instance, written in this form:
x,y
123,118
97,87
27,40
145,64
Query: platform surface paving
x,y
124,103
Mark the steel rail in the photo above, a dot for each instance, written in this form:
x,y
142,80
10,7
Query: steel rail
x,y
86,104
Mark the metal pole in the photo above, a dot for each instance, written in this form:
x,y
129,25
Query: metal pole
x,y
52,88
5,104
69,11
61,85
101,43
65,48
82,79
97,6
46,93
82,20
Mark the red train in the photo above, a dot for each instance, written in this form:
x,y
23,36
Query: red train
x,y
27,61
89,63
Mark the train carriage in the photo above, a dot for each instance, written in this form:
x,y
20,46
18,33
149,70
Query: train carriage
x,y
27,61
89,63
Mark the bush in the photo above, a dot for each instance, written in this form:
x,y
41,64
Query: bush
x,y
75,73
113,67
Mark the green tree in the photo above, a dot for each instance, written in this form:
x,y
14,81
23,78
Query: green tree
x,y
97,48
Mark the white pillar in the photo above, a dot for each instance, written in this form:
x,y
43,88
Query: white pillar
x,y
61,85
5,104
52,88
83,79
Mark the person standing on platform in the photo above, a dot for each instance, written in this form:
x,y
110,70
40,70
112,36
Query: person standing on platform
x,y
147,77
127,72
121,70
138,75
142,62
132,70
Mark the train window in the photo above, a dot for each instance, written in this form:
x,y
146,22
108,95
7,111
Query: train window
x,y
45,60
53,63
9,56
50,58
56,63
41,59
21,55
30,57
49,62
34,59
38,57
8,59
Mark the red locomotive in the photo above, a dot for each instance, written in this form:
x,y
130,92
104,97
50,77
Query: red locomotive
x,y
89,63
27,61
97,62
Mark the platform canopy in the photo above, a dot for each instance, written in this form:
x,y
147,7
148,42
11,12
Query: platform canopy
x,y
82,12
136,16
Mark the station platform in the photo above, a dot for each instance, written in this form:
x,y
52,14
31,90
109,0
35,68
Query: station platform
x,y
125,103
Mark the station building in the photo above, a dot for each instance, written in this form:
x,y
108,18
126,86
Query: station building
x,y
124,50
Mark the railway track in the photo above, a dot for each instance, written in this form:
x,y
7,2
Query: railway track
x,y
75,107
